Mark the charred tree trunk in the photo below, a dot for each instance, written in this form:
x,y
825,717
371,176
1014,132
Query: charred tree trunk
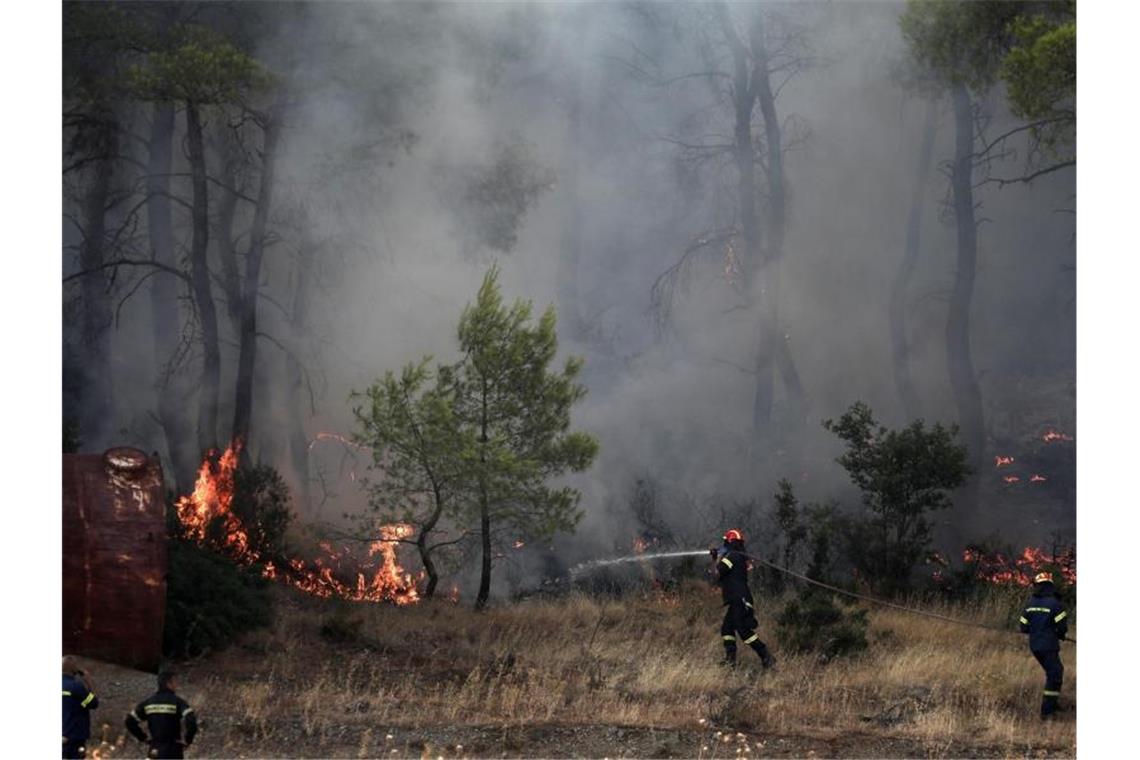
x,y
224,233
200,281
247,338
777,225
900,350
750,86
744,79
98,399
164,299
963,379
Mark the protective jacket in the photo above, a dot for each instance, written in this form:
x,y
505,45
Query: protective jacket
x,y
732,576
170,721
78,702
1046,621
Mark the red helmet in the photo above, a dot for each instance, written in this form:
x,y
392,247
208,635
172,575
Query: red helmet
x,y
732,534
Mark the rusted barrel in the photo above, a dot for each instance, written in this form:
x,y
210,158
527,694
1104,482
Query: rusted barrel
x,y
114,557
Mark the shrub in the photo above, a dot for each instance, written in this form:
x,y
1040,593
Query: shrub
x,y
209,600
261,502
903,476
813,622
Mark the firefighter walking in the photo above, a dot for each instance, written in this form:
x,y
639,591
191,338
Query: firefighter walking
x,y
1046,621
170,722
739,615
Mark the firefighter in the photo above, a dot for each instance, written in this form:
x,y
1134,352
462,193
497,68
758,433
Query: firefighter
x,y
78,701
739,615
170,721
1046,621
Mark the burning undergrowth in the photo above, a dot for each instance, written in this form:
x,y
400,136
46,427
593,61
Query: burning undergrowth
x,y
1007,570
208,517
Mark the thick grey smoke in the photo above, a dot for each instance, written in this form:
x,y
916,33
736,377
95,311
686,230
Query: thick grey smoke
x,y
402,108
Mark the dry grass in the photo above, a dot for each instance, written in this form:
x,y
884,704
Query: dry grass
x,y
648,661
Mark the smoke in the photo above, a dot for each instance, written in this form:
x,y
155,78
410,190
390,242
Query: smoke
x,y
409,127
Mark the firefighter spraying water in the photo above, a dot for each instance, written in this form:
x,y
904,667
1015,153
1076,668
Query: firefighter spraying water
x,y
740,612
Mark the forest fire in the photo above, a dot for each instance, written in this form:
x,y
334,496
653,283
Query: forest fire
x,y
1000,570
1011,479
206,516
1000,461
1037,478
1052,436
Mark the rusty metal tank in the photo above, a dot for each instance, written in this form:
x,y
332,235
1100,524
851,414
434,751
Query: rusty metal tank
x,y
114,556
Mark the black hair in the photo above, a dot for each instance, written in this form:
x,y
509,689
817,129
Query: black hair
x,y
165,677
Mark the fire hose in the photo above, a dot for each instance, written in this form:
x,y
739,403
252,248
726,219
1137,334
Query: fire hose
x,y
882,602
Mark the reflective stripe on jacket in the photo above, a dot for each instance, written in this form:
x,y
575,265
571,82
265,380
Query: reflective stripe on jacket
x,y
1046,621
78,703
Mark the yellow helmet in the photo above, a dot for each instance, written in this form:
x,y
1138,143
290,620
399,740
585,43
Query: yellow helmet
x,y
1043,578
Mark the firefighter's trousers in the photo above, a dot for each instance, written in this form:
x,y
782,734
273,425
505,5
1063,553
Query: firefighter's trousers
x,y
739,620
1054,675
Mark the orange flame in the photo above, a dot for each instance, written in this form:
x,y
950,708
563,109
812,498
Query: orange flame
x,y
206,513
1037,478
998,569
1052,435
519,543
1000,461
1011,479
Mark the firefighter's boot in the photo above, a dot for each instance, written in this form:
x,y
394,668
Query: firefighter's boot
x,y
729,651
760,648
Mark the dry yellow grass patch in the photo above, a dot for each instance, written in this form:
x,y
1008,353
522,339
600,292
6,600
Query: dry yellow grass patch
x,y
648,660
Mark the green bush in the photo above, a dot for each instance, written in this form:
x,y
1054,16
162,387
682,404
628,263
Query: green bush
x,y
813,622
261,502
210,600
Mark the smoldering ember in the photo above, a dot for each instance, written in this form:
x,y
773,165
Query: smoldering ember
x,y
475,379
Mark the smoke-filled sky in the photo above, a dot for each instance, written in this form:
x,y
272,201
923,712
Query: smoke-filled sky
x,y
398,106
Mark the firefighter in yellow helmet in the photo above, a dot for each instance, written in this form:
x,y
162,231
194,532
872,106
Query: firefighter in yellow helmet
x,y
1046,621
740,615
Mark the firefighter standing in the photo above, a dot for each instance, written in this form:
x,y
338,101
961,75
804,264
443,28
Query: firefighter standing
x,y
739,615
170,721
78,701
1046,621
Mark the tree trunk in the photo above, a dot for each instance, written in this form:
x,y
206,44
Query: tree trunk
x,y
224,233
98,398
164,300
900,350
776,350
200,279
752,267
247,339
425,552
484,513
963,380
